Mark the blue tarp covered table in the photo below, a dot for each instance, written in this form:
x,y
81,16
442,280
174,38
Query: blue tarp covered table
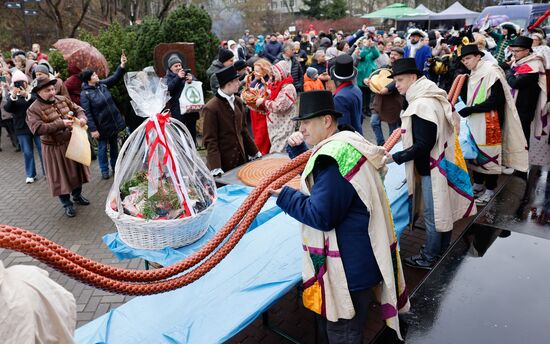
x,y
262,268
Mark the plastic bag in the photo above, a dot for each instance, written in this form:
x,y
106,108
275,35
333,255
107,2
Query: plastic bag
x,y
191,99
159,160
79,149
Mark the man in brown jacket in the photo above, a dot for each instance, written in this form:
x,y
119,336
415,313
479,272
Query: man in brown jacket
x,y
226,138
52,117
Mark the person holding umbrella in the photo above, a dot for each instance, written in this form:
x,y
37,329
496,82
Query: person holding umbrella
x,y
104,118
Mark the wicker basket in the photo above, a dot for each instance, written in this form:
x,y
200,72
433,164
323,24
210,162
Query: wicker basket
x,y
250,94
157,234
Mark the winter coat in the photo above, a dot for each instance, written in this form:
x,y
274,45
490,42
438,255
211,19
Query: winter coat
x,y
421,56
313,85
228,143
296,72
4,115
46,120
349,101
74,84
366,64
19,110
215,67
101,110
175,87
272,50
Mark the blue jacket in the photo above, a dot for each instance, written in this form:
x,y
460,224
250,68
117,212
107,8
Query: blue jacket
x,y
272,50
101,110
422,55
349,101
334,204
175,87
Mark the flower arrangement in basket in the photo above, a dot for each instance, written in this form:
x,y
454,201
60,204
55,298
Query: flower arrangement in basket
x,y
162,194
251,94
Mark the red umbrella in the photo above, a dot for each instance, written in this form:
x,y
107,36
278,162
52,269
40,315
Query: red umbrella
x,y
83,55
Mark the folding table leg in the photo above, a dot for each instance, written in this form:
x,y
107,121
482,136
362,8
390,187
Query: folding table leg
x,y
275,329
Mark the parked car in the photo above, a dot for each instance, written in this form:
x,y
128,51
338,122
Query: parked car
x,y
523,15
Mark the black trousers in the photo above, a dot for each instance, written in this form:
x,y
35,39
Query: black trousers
x,y
490,180
190,121
347,331
66,199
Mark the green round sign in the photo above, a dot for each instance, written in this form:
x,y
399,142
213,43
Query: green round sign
x,y
192,95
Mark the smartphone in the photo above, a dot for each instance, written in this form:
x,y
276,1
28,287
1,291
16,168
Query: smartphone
x,y
123,52
2,78
19,84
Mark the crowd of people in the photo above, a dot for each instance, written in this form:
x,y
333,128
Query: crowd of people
x,y
316,89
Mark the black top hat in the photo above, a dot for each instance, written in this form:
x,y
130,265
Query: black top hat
x,y
343,68
227,74
470,49
315,104
39,84
523,42
405,66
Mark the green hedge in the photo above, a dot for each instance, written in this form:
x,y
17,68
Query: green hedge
x,y
185,24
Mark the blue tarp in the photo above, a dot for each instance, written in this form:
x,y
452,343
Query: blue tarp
x,y
264,265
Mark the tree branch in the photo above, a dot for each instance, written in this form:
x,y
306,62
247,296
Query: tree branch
x,y
85,6
165,7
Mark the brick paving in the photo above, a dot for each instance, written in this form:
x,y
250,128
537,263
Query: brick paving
x,y
31,207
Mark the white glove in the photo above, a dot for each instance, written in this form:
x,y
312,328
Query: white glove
x,y
255,157
217,172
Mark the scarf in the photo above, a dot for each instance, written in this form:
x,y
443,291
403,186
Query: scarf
x,y
451,187
342,85
276,86
495,146
325,287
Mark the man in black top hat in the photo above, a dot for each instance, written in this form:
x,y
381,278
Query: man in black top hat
x,y
332,207
228,143
424,137
348,98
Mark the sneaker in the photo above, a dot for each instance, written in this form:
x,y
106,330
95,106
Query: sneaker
x,y
70,212
418,262
29,180
105,175
508,170
80,200
485,198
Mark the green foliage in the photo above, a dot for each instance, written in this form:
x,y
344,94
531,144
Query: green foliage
x,y
111,42
336,9
185,24
192,24
147,37
314,9
55,58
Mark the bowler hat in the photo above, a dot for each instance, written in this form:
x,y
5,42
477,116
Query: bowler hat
x,y
343,68
470,49
39,84
522,42
405,66
315,104
227,74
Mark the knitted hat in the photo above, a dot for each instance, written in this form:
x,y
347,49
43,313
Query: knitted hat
x,y
86,74
225,55
312,73
19,76
173,60
41,68
398,50
239,65
280,70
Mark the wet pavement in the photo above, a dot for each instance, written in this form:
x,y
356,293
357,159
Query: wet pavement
x,y
492,286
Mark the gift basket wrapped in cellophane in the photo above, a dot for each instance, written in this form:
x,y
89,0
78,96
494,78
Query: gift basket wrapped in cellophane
x,y
162,194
